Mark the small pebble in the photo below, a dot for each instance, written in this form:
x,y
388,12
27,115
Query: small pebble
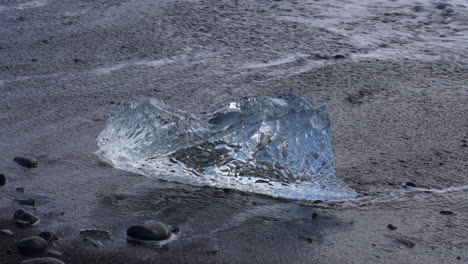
x,y
315,216
391,227
32,245
96,232
48,236
261,181
418,8
305,238
441,5
154,232
175,230
339,57
410,184
29,202
92,242
24,218
321,56
445,212
448,11
20,189
408,243
213,250
42,261
6,232
2,179
26,162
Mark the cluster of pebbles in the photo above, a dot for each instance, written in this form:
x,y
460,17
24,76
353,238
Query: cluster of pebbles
x,y
155,233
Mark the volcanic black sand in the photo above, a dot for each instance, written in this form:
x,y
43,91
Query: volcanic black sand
x,y
393,75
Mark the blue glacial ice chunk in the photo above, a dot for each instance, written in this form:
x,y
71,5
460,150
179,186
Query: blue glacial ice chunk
x,y
279,146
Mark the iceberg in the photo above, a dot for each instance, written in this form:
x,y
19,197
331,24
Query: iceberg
x,y
278,146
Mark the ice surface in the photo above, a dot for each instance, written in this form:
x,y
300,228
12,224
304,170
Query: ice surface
x,y
279,146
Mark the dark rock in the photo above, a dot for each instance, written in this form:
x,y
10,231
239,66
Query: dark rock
x,y
441,5
48,236
26,162
20,189
339,57
418,8
261,181
315,216
321,56
2,179
30,202
353,99
175,230
448,11
6,232
24,218
445,212
154,232
32,245
410,184
408,243
213,250
218,193
9,251
306,238
391,227
91,242
42,261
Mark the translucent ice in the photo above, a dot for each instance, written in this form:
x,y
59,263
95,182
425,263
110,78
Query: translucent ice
x,y
279,146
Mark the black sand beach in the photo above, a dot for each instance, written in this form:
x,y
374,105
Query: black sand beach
x,y
393,75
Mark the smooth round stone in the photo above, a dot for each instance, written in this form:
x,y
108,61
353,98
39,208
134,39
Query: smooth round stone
x,y
2,179
23,217
410,184
48,236
154,232
26,162
32,245
42,261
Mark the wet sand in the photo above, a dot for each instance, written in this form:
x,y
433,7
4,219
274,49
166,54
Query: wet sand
x,y
396,94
